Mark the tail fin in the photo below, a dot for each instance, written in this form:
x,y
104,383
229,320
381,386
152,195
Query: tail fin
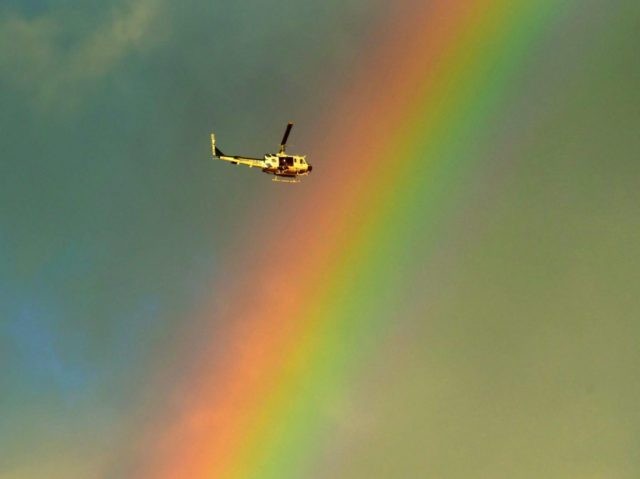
x,y
214,148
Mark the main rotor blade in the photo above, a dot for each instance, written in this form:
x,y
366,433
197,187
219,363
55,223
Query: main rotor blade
x,y
283,143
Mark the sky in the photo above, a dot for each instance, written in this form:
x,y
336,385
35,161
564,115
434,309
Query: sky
x,y
451,293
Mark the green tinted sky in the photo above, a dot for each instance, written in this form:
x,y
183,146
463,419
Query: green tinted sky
x,y
113,227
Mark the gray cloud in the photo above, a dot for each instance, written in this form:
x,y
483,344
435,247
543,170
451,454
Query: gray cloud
x,y
37,60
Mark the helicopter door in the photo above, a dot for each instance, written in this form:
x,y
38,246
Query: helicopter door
x,y
286,161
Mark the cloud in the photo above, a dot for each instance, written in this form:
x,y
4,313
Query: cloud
x,y
37,58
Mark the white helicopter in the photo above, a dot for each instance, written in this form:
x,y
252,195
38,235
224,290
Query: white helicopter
x,y
285,168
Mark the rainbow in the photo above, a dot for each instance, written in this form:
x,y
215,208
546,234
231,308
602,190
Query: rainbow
x,y
261,406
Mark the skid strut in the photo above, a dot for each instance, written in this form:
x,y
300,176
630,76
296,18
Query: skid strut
x,y
280,179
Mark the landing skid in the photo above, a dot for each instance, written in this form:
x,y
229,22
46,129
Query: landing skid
x,y
281,179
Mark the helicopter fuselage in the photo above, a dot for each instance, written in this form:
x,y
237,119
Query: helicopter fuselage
x,y
286,165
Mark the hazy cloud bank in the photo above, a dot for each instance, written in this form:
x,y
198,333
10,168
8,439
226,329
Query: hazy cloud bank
x,y
36,58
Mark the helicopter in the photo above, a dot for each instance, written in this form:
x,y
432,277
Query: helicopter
x,y
286,168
